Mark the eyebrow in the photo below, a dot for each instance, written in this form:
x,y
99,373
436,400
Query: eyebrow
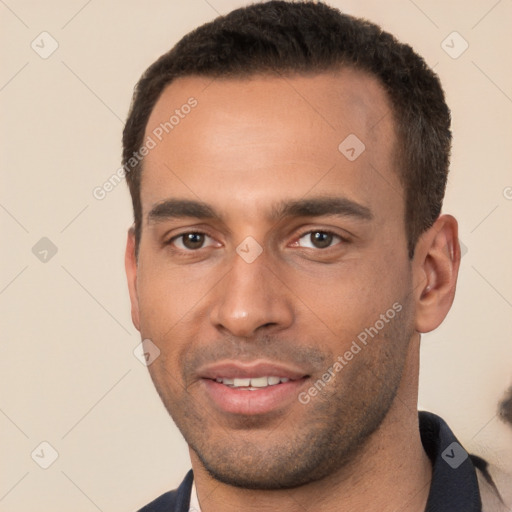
x,y
178,208
314,207
320,206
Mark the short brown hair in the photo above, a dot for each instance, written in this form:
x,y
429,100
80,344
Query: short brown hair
x,y
280,37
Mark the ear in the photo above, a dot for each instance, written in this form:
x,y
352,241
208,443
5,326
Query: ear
x,y
435,269
130,263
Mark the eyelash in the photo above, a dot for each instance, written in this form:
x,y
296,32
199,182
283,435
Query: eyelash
x,y
181,235
326,232
302,235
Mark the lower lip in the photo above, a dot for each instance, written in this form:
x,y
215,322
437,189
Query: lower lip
x,y
250,402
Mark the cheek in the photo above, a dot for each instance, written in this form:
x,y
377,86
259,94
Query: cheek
x,y
350,297
157,299
169,295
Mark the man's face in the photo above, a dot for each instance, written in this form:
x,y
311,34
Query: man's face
x,y
265,252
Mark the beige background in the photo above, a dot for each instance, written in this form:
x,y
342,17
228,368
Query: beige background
x,y
68,373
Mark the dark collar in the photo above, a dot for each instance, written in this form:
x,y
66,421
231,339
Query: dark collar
x,y
454,486
173,501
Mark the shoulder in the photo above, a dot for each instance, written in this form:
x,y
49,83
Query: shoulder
x,y
460,481
173,501
165,502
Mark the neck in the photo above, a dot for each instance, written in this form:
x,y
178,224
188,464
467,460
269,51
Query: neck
x,y
392,472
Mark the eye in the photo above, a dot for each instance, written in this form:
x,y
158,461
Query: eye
x,y
318,240
191,241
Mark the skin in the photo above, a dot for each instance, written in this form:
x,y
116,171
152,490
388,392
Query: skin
x,y
247,147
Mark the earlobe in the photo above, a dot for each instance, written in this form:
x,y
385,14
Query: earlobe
x,y
435,268
130,261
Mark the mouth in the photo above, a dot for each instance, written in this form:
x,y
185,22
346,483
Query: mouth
x,y
251,388
252,383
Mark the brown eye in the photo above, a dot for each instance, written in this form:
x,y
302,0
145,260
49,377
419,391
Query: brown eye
x,y
321,240
190,241
318,239
193,240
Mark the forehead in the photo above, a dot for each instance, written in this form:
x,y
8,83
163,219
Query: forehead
x,y
265,137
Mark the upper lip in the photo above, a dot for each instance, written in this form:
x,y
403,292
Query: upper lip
x,y
240,370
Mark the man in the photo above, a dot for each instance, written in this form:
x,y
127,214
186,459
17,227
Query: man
x,y
287,165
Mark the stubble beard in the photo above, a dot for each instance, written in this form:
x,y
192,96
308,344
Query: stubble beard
x,y
331,431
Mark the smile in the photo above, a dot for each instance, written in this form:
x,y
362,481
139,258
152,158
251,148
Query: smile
x,y
252,383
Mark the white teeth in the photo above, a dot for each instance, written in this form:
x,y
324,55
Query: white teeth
x,y
255,382
241,383
259,382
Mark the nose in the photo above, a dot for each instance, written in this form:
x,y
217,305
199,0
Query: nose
x,y
251,298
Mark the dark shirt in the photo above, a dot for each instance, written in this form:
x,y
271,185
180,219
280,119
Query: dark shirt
x,y
454,486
